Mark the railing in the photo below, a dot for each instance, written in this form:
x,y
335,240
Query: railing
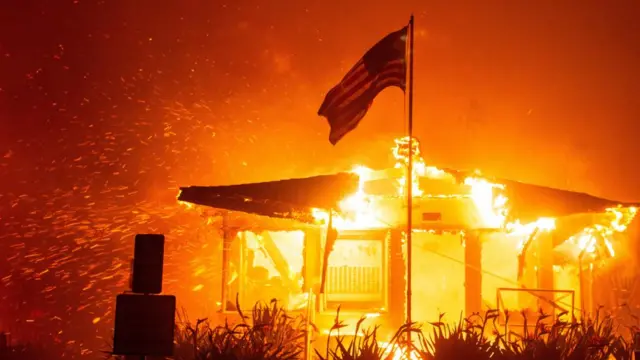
x,y
355,283
555,299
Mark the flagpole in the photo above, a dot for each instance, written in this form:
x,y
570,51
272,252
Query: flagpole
x,y
410,186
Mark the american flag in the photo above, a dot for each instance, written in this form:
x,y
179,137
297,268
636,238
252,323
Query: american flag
x,y
382,66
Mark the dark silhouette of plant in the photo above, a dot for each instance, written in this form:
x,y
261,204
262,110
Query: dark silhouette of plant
x,y
466,340
364,345
268,333
567,340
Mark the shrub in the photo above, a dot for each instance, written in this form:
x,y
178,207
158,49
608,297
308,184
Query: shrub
x,y
268,333
364,347
465,340
593,339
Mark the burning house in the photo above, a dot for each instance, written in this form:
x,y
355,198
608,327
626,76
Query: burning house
x,y
478,244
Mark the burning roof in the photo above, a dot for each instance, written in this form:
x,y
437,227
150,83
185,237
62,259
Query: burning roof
x,y
294,198
304,198
529,202
289,199
449,200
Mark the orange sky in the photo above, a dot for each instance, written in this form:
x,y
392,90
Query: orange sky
x,y
543,92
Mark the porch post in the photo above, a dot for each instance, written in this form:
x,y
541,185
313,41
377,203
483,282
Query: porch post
x,y
397,279
544,255
228,234
473,273
312,256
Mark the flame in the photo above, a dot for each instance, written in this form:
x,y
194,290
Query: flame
x,y
356,211
491,207
599,235
622,217
586,242
397,352
609,246
420,169
361,211
401,153
542,224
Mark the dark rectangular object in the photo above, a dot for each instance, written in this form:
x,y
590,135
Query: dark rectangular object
x,y
4,341
148,259
144,325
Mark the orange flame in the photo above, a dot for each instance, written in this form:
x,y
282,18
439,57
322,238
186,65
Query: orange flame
x,y
363,211
360,211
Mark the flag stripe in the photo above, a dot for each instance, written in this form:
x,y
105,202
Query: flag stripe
x,y
349,99
362,72
393,77
358,78
382,66
395,69
350,118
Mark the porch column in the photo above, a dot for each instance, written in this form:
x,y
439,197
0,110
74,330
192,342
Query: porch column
x,y
527,274
544,261
473,273
226,248
586,292
228,234
397,285
312,256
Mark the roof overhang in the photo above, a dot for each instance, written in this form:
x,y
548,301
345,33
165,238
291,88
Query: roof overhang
x,y
531,202
294,198
287,199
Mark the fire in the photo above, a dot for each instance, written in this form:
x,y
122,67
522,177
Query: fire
x,y
622,217
364,210
599,235
491,207
398,352
542,224
401,154
361,211
356,211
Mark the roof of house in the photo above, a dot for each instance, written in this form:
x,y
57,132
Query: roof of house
x,y
294,198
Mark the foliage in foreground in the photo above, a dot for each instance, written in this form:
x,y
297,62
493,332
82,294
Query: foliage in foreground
x,y
269,333
562,339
